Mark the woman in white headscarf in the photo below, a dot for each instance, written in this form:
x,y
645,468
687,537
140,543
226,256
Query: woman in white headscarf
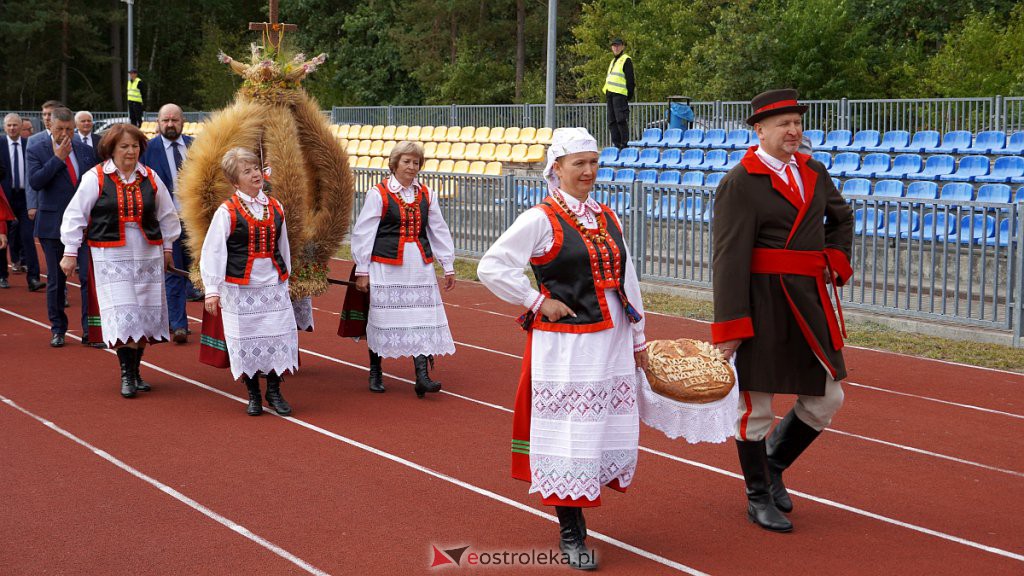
x,y
576,426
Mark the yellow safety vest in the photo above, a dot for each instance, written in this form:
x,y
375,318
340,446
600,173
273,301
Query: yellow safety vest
x,y
134,94
616,80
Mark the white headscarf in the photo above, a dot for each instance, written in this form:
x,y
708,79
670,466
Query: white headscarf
x,y
565,141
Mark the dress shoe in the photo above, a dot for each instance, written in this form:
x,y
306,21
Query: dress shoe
x,y
4,283
35,285
57,341
180,336
91,344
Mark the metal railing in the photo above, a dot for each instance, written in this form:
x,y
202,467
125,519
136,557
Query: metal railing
x,y
911,267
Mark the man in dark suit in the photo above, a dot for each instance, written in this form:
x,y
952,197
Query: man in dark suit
x,y
164,154
12,161
55,167
83,129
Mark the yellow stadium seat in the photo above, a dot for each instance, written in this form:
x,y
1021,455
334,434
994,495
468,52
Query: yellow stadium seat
x,y
364,131
512,135
535,153
453,134
343,143
440,133
443,151
519,152
477,167
377,132
376,162
333,128
341,130
388,146
430,165
497,135
389,133
426,134
458,151
413,133
429,149
543,136
352,160
528,135
446,166
363,162
375,147
461,167
503,153
364,147
400,133
466,135
352,148
472,151
493,169
200,126
487,152
481,134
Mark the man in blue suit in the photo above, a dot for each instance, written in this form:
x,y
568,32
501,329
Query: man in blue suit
x,y
55,167
165,154
83,129
14,182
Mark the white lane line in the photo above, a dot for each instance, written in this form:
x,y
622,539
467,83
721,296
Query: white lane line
x,y
226,522
355,443
937,400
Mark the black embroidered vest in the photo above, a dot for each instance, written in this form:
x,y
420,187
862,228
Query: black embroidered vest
x,y
251,239
399,224
119,203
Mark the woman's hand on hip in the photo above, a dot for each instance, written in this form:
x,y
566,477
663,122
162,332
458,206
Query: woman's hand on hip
x,y
212,304
363,283
555,310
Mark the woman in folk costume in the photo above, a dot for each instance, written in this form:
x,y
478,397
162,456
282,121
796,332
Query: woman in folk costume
x,y
399,233
5,214
245,265
128,218
576,425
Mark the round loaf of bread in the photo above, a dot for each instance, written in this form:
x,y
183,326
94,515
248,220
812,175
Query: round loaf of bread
x,y
689,371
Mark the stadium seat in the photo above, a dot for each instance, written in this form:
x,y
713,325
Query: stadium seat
x,y
467,134
620,202
364,148
352,148
363,162
626,156
605,174
690,160
651,137
1019,196
1004,236
816,138
902,165
1005,169
519,152
503,152
888,189
461,167
481,134
472,152
477,167
976,229
859,186
670,157
442,150
426,134
934,225
922,141
670,177
487,152
934,167
866,221
364,132
388,133
440,133
836,183
493,169
692,209
608,154
970,168
649,158
376,146
528,135
957,192
872,165
625,175
342,130
543,136
377,162
737,139
388,147
836,139
891,141
413,133
986,142
900,222
824,157
352,161
647,176
512,135
923,190
458,151
714,160
692,138
995,193
714,138
661,208
536,153
1014,145
952,142
377,133
713,179
431,165
861,140
845,162
446,166
694,178
401,133
497,135
672,137
451,134
736,157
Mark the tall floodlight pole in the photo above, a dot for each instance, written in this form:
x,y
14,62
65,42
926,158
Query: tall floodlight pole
x,y
549,96
131,33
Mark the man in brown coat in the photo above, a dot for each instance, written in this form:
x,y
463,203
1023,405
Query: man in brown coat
x,y
782,242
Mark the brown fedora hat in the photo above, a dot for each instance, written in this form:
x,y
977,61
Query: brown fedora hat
x,y
774,102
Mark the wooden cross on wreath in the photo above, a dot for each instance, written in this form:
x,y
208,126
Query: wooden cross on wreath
x,y
273,30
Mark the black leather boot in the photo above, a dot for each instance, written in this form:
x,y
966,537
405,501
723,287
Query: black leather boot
x,y
573,538
761,508
126,358
140,384
789,439
274,398
376,374
423,382
252,384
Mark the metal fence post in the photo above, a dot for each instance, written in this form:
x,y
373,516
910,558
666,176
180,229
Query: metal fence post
x,y
998,121
1018,289
639,241
844,114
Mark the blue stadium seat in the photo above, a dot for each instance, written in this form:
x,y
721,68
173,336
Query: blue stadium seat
x,y
975,229
902,165
626,156
664,208
1019,196
672,137
836,183
867,221
888,189
901,221
1005,169
873,165
934,167
734,159
861,140
650,137
970,168
714,138
957,191
647,176
891,141
952,142
823,157
694,178
714,160
620,202
692,138
737,139
995,193
605,174
1004,235
816,137
859,186
1014,145
923,190
670,177
670,157
625,175
844,162
692,209
609,154
691,159
934,225
922,141
986,142
714,179
649,158
835,139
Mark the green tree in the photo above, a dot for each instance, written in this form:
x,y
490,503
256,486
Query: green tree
x,y
982,57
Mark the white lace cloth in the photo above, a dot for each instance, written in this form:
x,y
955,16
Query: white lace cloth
x,y
259,327
303,309
713,422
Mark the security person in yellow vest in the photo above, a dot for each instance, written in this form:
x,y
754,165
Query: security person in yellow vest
x,y
135,98
618,88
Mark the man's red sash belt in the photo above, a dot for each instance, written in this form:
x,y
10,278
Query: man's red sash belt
x,y
810,263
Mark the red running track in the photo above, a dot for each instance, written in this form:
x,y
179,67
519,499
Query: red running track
x,y
918,474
